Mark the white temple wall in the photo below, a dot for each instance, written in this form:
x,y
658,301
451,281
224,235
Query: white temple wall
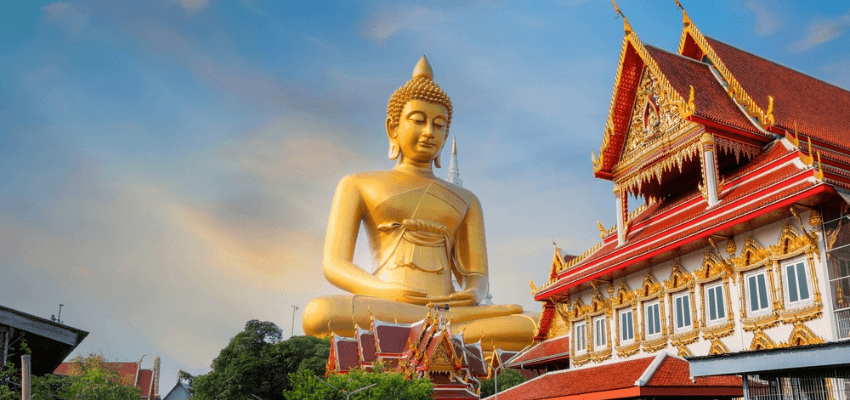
x,y
766,328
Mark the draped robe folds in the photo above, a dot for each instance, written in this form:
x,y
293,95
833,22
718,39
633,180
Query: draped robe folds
x,y
417,231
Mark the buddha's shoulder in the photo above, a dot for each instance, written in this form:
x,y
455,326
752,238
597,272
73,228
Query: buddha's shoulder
x,y
459,191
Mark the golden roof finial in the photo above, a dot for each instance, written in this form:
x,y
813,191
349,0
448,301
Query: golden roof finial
x,y
423,69
626,26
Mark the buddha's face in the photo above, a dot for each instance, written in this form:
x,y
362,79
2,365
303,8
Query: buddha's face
x,y
421,130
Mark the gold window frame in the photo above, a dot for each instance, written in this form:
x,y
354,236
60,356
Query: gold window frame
x,y
753,257
712,271
651,291
791,244
599,306
625,299
681,283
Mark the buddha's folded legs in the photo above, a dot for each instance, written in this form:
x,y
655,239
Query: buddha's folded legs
x,y
504,325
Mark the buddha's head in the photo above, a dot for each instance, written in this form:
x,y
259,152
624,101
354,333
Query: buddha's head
x,y
418,118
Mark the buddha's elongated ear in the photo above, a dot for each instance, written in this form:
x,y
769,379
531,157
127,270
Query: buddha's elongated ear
x,y
392,135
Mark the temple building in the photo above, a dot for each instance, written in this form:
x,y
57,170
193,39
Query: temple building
x,y
424,349
733,277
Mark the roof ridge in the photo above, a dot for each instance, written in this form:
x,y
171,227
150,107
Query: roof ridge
x,y
650,370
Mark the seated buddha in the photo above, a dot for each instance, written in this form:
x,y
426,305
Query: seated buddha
x,y
421,229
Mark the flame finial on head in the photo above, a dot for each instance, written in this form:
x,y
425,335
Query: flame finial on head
x,y
423,69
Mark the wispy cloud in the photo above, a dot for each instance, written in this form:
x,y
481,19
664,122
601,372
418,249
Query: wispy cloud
x,y
392,20
191,7
65,16
767,21
823,31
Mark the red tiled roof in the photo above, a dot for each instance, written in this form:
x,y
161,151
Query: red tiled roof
x,y
670,378
452,394
543,352
764,184
820,110
127,373
145,378
392,338
367,347
346,354
710,98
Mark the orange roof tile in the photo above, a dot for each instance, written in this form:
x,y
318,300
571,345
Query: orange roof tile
x,y
670,378
818,109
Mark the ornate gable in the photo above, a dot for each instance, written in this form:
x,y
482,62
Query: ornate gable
x,y
630,81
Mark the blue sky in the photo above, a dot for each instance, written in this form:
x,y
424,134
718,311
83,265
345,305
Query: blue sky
x,y
167,166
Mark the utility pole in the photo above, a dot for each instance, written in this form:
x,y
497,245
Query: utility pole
x,y
292,328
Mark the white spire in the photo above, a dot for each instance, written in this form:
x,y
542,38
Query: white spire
x,y
454,173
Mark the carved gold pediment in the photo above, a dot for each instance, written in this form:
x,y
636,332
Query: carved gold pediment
x,y
791,243
598,304
679,279
801,335
712,268
753,255
656,123
761,341
623,297
577,310
649,288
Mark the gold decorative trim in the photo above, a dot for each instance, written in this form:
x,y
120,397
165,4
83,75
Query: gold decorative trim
x,y
680,281
718,331
685,107
760,322
753,255
737,148
801,335
802,314
734,89
625,298
653,345
599,306
650,291
717,348
761,341
683,350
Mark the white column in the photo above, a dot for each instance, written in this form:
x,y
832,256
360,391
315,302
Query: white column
x,y
621,205
709,168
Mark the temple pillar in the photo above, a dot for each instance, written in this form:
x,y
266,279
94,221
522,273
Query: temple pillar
x,y
709,169
622,205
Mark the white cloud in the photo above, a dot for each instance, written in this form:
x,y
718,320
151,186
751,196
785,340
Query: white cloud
x,y
65,16
191,7
823,31
387,23
767,21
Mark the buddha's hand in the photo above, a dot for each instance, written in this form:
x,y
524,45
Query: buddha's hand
x,y
397,292
463,298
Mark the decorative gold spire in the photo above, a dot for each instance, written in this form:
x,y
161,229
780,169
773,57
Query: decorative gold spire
x,y
423,69
626,27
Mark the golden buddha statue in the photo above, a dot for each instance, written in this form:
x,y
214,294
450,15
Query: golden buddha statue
x,y
421,229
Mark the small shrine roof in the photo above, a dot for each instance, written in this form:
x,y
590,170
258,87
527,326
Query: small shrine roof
x,y
544,352
776,178
367,346
391,338
345,353
663,375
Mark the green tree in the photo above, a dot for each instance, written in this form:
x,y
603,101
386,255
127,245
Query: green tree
x,y
507,379
92,379
256,362
305,386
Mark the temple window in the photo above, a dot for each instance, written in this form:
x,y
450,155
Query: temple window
x,y
627,333
758,300
682,312
580,336
600,332
715,304
797,281
652,315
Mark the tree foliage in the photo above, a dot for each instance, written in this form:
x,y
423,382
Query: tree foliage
x,y
306,386
256,362
508,378
91,378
